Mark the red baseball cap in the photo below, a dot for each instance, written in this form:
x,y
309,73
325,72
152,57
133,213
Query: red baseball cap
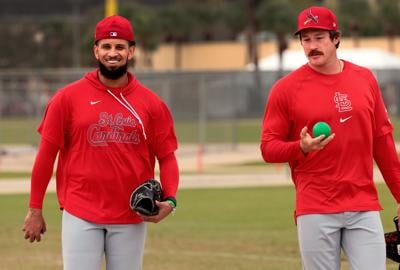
x,y
114,27
317,18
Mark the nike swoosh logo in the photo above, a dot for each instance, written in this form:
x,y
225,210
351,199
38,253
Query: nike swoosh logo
x,y
342,120
94,102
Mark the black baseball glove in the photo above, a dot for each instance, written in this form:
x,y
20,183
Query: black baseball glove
x,y
144,197
392,240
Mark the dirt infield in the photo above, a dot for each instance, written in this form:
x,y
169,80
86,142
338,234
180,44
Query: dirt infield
x,y
215,166
192,158
187,181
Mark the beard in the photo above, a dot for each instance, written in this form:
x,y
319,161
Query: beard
x,y
115,73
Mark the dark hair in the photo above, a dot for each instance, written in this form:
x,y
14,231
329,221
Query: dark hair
x,y
332,36
131,43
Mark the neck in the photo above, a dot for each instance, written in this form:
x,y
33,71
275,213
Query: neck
x,y
122,81
333,67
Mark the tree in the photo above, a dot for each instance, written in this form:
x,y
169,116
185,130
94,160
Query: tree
x,y
206,19
355,19
389,14
279,17
234,18
147,27
177,25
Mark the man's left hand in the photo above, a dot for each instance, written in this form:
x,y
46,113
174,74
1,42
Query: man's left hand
x,y
164,210
398,210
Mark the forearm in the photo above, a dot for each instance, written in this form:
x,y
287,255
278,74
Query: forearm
x,y
42,172
169,175
276,151
386,158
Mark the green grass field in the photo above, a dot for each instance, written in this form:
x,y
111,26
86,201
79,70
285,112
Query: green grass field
x,y
23,131
213,229
221,229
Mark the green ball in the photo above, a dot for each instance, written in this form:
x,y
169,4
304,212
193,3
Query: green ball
x,y
321,128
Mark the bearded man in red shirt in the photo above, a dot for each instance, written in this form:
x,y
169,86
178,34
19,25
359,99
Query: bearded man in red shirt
x,y
107,129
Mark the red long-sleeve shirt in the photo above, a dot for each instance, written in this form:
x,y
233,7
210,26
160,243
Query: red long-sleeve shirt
x,y
339,177
108,141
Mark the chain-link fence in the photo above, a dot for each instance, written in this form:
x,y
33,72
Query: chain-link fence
x,y
197,99
219,94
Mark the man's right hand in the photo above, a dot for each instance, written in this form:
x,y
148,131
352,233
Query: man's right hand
x,y
34,225
309,144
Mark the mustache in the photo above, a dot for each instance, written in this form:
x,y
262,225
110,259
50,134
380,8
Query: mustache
x,y
315,52
116,58
113,74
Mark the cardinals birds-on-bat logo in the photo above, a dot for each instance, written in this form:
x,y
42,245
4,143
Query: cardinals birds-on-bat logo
x,y
311,17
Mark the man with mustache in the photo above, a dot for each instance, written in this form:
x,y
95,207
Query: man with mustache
x,y
337,203
107,129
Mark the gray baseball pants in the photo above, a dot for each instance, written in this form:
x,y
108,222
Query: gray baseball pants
x,y
84,244
360,234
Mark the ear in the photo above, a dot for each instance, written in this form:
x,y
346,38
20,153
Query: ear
x,y
336,39
96,51
131,52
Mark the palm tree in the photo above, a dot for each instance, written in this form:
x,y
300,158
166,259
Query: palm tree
x,y
147,27
177,25
279,17
389,13
355,19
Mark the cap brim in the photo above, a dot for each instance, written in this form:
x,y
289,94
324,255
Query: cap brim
x,y
314,27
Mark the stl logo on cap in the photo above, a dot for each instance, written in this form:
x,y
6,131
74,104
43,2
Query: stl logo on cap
x,y
317,17
311,17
